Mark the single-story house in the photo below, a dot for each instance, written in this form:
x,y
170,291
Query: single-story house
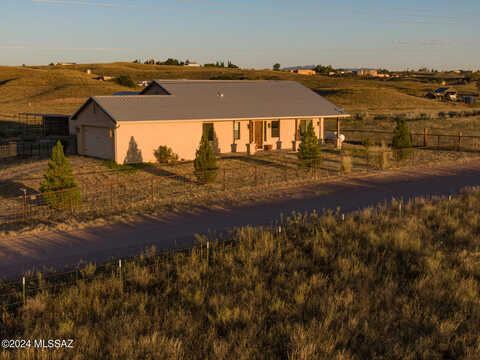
x,y
237,116
446,93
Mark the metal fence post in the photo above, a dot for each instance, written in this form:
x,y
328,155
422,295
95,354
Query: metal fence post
x,y
459,141
24,206
24,292
153,190
224,179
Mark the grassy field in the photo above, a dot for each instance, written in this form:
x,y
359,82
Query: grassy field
x,y
62,89
389,283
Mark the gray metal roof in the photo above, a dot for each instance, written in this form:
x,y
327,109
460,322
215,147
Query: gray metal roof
x,y
207,99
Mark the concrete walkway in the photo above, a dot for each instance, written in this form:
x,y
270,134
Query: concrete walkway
x,y
60,249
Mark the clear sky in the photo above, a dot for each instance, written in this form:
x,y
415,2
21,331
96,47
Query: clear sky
x,y
395,34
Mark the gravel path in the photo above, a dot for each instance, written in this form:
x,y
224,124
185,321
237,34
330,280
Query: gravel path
x,y
64,249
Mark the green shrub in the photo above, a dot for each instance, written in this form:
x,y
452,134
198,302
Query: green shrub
x,y
59,176
205,162
125,80
309,149
165,155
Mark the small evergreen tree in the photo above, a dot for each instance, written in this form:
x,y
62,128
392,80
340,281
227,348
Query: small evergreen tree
x,y
309,149
205,162
402,140
59,176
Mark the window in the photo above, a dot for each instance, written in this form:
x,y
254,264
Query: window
x,y
276,129
236,131
304,125
208,130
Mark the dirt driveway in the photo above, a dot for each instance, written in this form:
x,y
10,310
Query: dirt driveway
x,y
59,249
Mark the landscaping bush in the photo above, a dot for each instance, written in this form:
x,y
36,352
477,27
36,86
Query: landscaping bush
x,y
309,149
165,155
59,176
205,162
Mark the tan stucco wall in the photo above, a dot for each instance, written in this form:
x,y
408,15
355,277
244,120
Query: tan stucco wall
x,y
182,137
91,115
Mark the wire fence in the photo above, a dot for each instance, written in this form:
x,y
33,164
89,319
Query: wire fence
x,y
121,196
422,139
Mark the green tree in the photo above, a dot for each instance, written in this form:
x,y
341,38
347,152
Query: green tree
x,y
276,67
205,162
402,140
59,176
309,148
125,80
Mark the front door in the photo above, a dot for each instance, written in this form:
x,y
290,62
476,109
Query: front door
x,y
259,134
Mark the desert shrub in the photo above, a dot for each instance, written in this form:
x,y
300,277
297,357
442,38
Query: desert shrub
x,y
368,142
59,176
125,80
165,155
378,284
359,116
453,114
346,164
424,116
205,162
125,167
380,117
442,114
309,149
399,117
383,159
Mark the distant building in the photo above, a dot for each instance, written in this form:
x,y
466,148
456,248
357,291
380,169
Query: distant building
x,y
443,93
193,64
103,78
89,71
366,72
66,64
303,71
143,83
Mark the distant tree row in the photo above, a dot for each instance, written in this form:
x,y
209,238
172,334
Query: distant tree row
x,y
221,64
176,62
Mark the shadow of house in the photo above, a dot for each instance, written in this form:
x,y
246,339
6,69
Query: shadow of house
x,y
134,154
10,188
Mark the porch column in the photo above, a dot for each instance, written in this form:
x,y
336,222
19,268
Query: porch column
x,y
322,130
339,143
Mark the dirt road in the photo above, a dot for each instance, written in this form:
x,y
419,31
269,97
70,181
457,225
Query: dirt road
x,y
59,249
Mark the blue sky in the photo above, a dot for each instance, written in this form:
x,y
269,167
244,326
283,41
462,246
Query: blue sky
x,y
442,34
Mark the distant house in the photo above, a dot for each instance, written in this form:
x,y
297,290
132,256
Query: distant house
x,y
103,78
193,64
237,116
443,93
366,72
303,71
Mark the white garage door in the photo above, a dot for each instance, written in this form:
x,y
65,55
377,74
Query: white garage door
x,y
97,142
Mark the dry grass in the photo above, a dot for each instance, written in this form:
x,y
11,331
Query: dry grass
x,y
56,89
396,283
